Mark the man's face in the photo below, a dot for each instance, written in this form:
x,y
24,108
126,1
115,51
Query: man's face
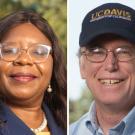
x,y
111,82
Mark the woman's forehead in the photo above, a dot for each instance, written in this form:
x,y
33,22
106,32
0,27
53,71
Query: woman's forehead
x,y
27,32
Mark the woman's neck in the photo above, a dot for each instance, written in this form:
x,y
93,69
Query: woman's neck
x,y
32,115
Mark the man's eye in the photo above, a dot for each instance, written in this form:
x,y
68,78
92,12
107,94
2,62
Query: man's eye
x,y
124,52
98,51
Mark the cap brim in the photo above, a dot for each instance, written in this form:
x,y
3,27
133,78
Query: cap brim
x,y
120,32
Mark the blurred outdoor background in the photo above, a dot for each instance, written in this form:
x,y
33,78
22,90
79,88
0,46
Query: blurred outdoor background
x,y
80,106
55,11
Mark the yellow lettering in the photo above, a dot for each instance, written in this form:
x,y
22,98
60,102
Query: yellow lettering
x,y
113,12
107,12
100,13
119,12
124,13
93,16
128,15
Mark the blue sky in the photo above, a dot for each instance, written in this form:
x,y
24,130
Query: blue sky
x,y
77,9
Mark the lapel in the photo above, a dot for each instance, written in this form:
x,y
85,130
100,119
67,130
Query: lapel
x,y
55,129
12,125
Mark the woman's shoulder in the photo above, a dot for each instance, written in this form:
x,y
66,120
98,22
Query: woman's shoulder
x,y
53,126
10,124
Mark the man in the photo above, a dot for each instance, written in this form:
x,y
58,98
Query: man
x,y
107,63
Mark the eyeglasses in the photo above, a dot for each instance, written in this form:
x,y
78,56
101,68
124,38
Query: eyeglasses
x,y
37,52
99,54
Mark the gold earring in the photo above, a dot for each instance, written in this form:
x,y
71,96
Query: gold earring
x,y
49,89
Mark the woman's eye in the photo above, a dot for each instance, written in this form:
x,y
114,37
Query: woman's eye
x,y
40,52
9,51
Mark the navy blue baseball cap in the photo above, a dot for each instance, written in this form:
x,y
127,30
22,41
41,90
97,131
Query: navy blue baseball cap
x,y
112,18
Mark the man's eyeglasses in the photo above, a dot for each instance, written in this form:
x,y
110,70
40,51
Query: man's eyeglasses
x,y
37,52
99,54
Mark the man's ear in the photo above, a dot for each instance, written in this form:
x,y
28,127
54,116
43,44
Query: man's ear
x,y
82,67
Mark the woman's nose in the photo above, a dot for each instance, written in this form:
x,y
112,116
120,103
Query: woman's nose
x,y
23,59
111,63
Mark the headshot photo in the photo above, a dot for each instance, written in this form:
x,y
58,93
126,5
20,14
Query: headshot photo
x,y
33,76
102,78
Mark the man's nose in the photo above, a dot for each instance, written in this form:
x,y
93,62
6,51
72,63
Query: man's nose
x,y
111,63
23,59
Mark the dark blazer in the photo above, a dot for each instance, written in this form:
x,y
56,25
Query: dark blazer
x,y
12,125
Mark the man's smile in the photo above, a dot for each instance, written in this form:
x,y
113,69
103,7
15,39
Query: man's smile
x,y
110,81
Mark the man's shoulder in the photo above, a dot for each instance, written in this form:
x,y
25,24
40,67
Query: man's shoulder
x,y
78,125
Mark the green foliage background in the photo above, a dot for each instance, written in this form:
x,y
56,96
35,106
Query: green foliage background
x,y
55,11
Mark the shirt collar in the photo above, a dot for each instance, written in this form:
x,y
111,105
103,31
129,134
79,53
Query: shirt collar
x,y
92,115
123,126
91,120
131,116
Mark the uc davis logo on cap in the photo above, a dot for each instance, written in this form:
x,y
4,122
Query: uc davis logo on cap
x,y
111,13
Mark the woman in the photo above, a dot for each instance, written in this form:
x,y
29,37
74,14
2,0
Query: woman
x,y
32,77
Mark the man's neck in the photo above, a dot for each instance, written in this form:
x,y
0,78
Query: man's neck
x,y
108,118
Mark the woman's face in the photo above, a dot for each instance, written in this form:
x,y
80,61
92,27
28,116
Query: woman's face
x,y
22,79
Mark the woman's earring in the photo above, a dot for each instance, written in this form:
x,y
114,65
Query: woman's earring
x,y
49,89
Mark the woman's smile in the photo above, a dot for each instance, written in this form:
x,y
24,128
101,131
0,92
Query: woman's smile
x,y
23,77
